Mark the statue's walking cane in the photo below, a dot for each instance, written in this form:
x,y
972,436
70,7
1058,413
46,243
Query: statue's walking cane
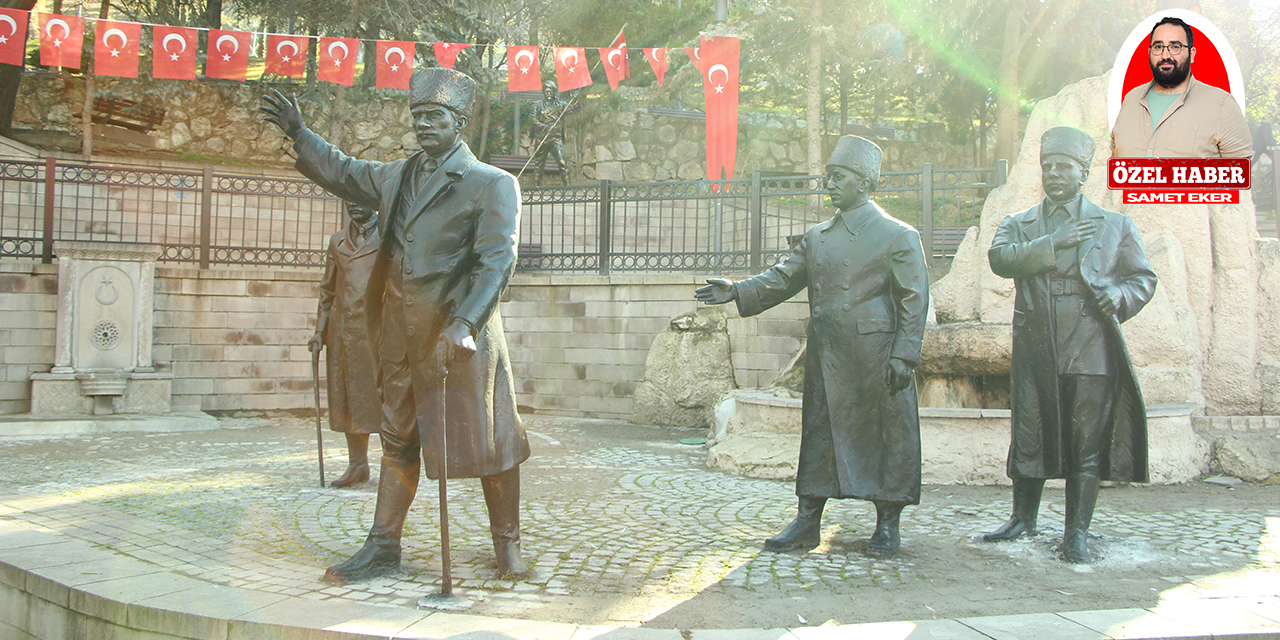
x,y
315,379
445,599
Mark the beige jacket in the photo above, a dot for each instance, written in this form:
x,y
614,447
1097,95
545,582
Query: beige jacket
x,y
1203,122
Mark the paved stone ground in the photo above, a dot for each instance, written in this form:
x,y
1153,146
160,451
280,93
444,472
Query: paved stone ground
x,y
624,526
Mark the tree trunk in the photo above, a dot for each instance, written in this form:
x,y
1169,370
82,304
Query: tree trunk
x,y
813,115
1007,89
86,111
10,76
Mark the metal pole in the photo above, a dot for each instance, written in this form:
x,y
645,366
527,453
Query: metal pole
x,y
46,250
757,223
606,227
926,183
206,215
515,144
1002,172
315,377
718,235
722,11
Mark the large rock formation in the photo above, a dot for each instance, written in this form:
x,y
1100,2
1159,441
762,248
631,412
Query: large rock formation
x,y
1199,338
687,373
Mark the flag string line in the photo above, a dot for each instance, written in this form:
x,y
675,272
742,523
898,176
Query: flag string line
x,y
33,13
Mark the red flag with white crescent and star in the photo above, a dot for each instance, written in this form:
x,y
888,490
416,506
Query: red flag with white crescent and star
x,y
523,73
720,56
613,58
13,43
61,38
286,55
227,55
657,58
447,52
337,60
173,53
115,48
395,64
695,56
571,68
620,42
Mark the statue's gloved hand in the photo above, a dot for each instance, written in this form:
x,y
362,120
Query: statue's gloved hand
x,y
716,291
899,375
316,343
455,344
1107,300
284,113
1073,233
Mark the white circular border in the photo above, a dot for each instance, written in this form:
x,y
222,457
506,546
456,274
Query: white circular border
x,y
1140,33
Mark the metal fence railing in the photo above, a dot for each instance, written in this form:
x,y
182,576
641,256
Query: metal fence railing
x,y
209,218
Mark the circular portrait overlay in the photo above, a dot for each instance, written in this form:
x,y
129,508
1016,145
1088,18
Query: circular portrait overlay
x,y
1215,62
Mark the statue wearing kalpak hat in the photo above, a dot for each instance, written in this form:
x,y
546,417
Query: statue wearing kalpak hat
x,y
1079,271
868,298
449,229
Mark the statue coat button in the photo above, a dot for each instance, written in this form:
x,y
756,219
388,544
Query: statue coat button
x,y
845,286
847,308
409,331
408,237
408,301
846,263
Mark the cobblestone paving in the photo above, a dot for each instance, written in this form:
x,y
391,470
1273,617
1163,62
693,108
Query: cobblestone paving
x,y
623,525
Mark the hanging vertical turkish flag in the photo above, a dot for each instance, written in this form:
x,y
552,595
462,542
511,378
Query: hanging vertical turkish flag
x,y
447,52
695,56
337,60
227,55
620,42
115,48
657,58
522,69
13,44
395,64
614,59
571,68
60,40
720,86
173,53
287,55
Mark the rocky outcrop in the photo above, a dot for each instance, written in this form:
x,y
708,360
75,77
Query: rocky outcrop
x,y
687,373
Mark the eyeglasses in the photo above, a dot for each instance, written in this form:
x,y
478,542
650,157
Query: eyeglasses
x,y
1174,48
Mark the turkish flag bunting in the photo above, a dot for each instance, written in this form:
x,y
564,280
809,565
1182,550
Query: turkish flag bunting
x,y
657,58
571,68
720,87
695,56
620,42
447,52
287,55
614,60
14,42
115,49
337,60
60,40
522,69
173,52
227,55
395,64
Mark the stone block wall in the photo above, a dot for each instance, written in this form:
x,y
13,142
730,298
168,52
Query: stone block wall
x,y
234,338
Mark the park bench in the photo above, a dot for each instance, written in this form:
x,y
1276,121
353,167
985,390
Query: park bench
x,y
126,120
514,164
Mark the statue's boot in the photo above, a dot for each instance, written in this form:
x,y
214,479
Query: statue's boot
x,y
1082,495
805,532
356,473
1026,506
502,496
380,555
885,540
358,462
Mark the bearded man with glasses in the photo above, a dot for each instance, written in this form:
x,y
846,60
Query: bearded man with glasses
x,y
1176,115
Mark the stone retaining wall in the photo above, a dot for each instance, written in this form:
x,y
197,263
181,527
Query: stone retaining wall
x,y
234,337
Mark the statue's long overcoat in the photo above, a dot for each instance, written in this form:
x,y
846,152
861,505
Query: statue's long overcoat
x,y
351,363
1113,257
459,251
868,299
